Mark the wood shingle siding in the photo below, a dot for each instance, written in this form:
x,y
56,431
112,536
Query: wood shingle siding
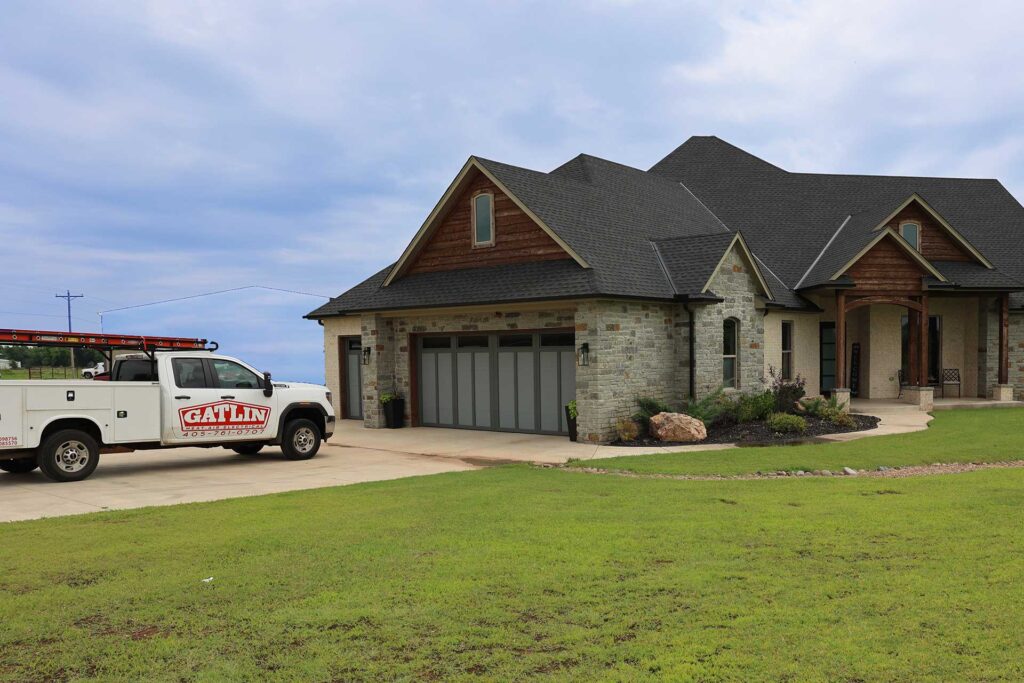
x,y
886,269
936,244
517,238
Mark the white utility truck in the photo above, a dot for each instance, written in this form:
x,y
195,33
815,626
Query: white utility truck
x,y
179,393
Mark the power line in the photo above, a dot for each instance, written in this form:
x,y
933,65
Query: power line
x,y
220,291
68,296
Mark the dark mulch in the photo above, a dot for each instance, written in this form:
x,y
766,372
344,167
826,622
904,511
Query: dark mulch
x,y
756,433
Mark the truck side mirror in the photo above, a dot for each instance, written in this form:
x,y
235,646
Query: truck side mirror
x,y
268,386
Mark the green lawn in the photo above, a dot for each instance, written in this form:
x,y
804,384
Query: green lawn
x,y
953,436
516,572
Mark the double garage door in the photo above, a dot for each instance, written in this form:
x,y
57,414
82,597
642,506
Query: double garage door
x,y
504,382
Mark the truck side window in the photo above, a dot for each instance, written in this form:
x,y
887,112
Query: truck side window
x,y
234,376
136,370
188,373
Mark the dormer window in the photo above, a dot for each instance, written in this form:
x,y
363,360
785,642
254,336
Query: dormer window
x,y
483,220
911,232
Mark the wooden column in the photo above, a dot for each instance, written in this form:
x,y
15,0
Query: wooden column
x,y
841,382
923,346
1004,338
913,334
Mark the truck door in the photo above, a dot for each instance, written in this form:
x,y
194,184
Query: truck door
x,y
215,399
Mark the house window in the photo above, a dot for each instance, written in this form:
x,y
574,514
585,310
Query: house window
x,y
483,220
787,349
730,361
911,232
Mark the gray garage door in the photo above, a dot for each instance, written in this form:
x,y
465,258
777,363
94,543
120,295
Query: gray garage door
x,y
506,382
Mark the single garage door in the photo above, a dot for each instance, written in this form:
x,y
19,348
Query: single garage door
x,y
505,382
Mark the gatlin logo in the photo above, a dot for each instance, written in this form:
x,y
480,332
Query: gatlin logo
x,y
223,415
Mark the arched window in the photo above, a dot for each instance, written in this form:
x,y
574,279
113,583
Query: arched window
x,y
730,357
911,232
483,220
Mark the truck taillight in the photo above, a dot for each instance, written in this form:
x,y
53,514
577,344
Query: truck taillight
x,y
329,398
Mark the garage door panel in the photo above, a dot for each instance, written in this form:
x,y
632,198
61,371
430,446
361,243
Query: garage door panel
x,y
445,390
464,371
428,382
525,391
482,388
549,391
507,390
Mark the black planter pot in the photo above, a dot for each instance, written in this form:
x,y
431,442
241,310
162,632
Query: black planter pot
x,y
394,413
571,421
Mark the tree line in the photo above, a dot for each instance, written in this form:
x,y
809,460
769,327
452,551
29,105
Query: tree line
x,y
50,356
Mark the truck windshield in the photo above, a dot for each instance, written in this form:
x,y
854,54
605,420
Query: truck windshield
x,y
141,370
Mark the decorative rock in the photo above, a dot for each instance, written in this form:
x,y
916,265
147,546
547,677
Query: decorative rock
x,y
826,473
850,471
677,427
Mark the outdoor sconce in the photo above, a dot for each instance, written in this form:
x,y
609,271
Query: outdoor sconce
x,y
366,355
583,357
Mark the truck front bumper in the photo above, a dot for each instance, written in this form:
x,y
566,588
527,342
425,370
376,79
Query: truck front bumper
x,y
328,427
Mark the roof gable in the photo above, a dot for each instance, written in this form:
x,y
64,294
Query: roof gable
x,y
691,263
912,255
951,232
458,186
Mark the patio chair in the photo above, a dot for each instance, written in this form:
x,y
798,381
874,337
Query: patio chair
x,y
950,377
902,379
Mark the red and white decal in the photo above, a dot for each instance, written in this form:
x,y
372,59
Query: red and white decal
x,y
223,416
8,441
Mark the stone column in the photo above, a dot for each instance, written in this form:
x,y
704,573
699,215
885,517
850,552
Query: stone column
x,y
378,335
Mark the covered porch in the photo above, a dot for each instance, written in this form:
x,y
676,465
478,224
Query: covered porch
x,y
928,350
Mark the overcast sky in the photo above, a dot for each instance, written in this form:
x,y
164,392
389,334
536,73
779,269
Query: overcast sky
x,y
151,150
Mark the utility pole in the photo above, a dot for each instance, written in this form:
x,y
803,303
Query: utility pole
x,y
67,295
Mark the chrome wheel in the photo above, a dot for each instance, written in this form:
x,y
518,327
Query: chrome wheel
x,y
304,440
72,456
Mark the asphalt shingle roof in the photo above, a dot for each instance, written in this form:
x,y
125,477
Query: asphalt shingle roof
x,y
686,209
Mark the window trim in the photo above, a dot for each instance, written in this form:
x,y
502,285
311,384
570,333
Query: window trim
x,y
472,219
917,227
735,355
784,351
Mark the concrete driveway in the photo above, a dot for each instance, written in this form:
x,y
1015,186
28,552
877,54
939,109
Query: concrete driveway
x,y
187,475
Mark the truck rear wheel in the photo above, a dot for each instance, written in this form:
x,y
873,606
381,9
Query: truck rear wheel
x,y
68,455
19,466
301,439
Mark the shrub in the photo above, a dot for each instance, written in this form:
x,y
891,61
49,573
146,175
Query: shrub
x,y
628,430
649,407
715,407
784,423
829,409
754,407
786,392
573,412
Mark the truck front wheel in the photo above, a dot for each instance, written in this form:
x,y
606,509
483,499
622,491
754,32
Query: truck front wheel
x,y
19,466
68,455
301,439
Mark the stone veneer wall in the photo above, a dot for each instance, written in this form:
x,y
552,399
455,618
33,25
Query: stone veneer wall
x,y
988,344
636,350
1016,369
738,287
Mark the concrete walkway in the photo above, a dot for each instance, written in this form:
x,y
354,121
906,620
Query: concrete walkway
x,y
353,455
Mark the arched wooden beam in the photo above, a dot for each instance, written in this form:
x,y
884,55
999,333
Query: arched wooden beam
x,y
890,300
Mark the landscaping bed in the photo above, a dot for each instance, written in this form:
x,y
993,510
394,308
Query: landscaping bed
x,y
758,433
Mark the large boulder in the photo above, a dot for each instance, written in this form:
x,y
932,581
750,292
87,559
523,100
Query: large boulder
x,y
677,427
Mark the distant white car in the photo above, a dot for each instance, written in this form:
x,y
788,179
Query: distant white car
x,y
98,369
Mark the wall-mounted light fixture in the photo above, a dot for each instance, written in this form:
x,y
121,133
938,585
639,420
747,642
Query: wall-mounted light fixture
x,y
366,355
583,355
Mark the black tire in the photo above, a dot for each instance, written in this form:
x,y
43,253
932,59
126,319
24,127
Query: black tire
x,y
301,439
248,448
68,455
87,375
19,466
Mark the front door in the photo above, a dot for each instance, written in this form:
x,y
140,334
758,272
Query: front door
x,y
215,399
353,378
827,354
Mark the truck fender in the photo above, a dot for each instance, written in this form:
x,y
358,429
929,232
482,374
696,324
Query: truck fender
x,y
314,411
99,431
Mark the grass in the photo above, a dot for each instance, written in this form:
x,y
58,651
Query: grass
x,y
41,373
953,436
518,572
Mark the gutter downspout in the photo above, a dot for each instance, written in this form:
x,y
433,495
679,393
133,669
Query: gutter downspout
x,y
693,346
